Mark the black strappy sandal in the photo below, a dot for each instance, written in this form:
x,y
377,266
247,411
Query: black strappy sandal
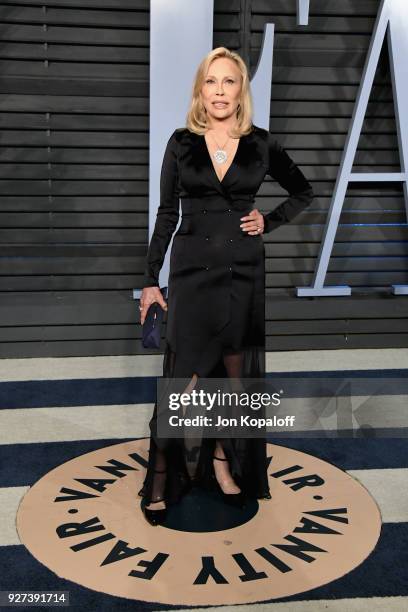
x,y
155,517
232,499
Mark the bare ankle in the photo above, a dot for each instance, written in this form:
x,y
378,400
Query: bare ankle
x,y
191,384
158,505
223,476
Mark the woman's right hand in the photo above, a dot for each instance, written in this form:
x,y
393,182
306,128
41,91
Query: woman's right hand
x,y
147,297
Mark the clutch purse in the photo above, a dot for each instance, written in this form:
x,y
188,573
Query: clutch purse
x,y
151,328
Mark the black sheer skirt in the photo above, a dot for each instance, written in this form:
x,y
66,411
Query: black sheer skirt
x,y
175,464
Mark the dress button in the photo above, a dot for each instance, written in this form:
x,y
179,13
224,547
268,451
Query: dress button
x,y
231,240
207,267
204,211
230,269
207,237
229,210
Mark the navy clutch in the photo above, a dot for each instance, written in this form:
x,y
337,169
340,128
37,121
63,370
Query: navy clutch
x,y
151,328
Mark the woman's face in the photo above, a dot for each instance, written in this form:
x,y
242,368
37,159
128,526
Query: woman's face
x,y
221,89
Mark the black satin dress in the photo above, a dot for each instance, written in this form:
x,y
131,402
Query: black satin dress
x,y
216,292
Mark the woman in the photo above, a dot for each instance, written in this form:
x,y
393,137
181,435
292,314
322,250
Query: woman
x,y
216,305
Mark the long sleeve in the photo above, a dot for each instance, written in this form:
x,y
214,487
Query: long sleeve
x,y
289,176
167,215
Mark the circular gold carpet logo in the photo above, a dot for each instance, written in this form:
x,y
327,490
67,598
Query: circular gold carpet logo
x,y
84,522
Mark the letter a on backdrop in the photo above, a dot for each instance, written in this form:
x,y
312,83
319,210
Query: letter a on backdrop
x,y
392,19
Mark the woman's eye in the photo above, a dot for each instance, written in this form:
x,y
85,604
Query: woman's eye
x,y
211,81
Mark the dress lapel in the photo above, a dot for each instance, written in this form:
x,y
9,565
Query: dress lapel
x,y
207,164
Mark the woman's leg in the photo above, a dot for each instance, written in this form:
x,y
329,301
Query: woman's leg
x,y
233,365
191,444
159,475
159,481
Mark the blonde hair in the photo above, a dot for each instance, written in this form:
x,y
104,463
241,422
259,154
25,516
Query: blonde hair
x,y
197,116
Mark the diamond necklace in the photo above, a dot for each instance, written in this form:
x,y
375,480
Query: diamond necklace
x,y
220,154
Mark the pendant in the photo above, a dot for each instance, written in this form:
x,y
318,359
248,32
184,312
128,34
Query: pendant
x,y
220,156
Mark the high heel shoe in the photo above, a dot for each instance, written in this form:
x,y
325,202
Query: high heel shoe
x,y
232,499
155,517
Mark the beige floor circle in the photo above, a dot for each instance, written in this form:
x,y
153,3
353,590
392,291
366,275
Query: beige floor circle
x,y
83,521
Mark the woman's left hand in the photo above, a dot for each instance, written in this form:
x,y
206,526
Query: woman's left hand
x,y
254,223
